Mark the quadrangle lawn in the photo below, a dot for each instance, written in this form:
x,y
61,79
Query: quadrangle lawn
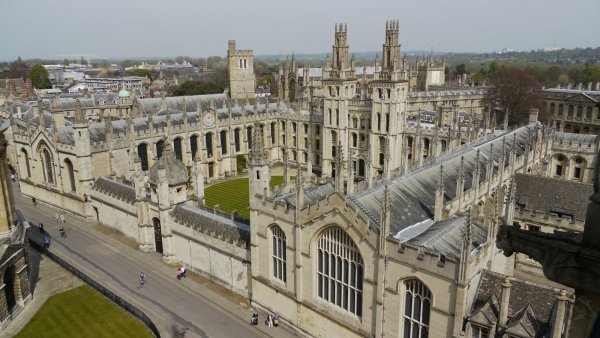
x,y
81,313
234,194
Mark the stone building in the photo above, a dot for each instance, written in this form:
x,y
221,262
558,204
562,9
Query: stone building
x,y
387,211
15,291
241,72
575,108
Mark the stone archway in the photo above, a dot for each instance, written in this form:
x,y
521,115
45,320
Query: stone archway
x,y
211,169
158,244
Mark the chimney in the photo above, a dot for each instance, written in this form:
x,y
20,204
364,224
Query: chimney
x,y
559,318
504,302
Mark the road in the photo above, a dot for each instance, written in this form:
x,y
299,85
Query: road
x,y
174,306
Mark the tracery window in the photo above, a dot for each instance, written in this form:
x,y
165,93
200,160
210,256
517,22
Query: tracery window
x,y
417,306
47,166
340,271
278,254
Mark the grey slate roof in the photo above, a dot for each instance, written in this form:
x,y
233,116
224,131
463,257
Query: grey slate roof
x,y
553,195
175,171
583,139
523,295
152,105
215,225
311,195
412,197
121,191
446,236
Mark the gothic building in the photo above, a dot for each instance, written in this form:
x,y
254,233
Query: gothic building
x,y
388,228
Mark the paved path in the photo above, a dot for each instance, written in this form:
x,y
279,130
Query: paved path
x,y
193,306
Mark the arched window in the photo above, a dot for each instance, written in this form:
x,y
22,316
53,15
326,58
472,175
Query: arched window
x,y
588,112
354,140
208,141
578,165
571,108
417,306
387,122
142,150
25,162
223,141
47,166
378,117
71,175
552,107
194,146
579,111
330,117
272,135
340,271
560,109
559,164
278,253
177,148
160,146
249,137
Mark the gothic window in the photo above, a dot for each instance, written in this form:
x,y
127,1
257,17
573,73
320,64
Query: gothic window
x,y
160,146
330,116
293,127
47,166
337,117
479,331
245,64
25,162
209,144
272,133
387,122
236,139
417,304
560,109
241,63
194,146
71,175
354,140
318,130
378,122
142,150
339,271
177,148
306,128
223,141
560,163
278,253
249,137
381,159
355,123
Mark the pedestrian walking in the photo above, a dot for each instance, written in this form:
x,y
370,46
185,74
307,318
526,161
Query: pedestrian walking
x,y
182,272
46,242
34,201
62,218
178,273
41,227
276,320
270,320
63,234
142,278
56,217
12,177
254,319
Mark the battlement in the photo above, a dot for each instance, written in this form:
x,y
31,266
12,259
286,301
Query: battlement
x,y
550,219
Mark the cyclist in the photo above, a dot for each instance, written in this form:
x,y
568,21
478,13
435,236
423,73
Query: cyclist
x,y
142,278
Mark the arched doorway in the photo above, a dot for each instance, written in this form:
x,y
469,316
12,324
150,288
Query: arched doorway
x,y
157,235
211,169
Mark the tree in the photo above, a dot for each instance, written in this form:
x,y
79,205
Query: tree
x,y
460,69
39,77
17,69
590,73
240,163
140,72
514,92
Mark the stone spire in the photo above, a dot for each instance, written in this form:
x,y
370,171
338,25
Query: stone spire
x,y
350,187
476,173
511,199
79,117
489,168
385,221
465,250
439,196
460,178
387,171
258,154
299,189
339,176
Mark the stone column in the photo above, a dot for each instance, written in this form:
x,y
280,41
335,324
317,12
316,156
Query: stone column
x,y
559,319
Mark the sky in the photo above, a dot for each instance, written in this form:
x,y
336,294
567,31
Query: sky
x,y
153,28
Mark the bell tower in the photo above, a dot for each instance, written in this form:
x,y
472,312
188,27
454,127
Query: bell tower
x,y
241,72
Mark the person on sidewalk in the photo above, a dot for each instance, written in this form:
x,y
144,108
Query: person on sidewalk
x,y
63,234
254,320
142,278
62,218
178,274
276,320
41,227
34,201
182,272
270,320
46,242
56,217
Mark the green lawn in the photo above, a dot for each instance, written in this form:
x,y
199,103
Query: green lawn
x,y
233,195
83,312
